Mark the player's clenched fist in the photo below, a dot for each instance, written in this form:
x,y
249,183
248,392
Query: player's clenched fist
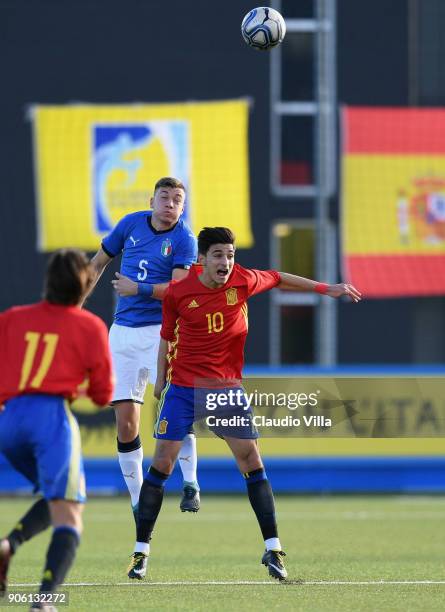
x,y
124,286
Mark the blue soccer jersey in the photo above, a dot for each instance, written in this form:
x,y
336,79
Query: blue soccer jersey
x,y
148,256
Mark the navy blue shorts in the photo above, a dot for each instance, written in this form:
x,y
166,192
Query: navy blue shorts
x,y
180,407
40,437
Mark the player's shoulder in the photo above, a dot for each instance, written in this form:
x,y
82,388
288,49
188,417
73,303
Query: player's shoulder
x,y
23,310
135,217
28,313
240,273
252,277
91,325
130,221
177,287
184,232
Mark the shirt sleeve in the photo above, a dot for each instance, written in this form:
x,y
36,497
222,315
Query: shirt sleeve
x,y
169,315
259,281
100,387
113,244
186,252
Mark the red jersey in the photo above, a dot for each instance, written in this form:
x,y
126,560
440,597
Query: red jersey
x,y
207,328
50,348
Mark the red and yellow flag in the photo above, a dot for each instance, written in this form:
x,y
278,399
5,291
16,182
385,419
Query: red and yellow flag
x,y
393,201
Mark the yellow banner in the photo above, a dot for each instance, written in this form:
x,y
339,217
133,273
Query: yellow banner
x,y
95,164
99,438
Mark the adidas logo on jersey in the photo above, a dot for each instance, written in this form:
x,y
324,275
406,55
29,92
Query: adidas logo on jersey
x,y
193,304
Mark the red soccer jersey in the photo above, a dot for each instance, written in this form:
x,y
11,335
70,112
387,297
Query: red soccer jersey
x,y
49,348
207,328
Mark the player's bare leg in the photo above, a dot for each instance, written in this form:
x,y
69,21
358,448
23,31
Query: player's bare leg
x,y
188,460
247,455
129,447
150,502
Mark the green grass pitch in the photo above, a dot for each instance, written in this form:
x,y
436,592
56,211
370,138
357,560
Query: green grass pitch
x,y
351,554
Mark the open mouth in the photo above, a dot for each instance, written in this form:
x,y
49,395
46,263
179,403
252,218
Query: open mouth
x,y
222,272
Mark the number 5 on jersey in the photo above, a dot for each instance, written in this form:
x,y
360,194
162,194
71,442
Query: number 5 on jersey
x,y
143,274
32,340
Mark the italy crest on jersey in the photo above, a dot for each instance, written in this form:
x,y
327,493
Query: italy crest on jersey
x,y
166,248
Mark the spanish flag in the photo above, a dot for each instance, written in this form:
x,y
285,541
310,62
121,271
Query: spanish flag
x,y
393,200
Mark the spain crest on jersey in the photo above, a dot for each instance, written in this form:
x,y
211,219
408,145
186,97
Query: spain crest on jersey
x,y
162,427
231,296
166,248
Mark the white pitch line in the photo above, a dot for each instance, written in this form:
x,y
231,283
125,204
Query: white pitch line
x,y
242,582
359,515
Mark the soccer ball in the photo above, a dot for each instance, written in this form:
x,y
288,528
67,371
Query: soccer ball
x,y
263,28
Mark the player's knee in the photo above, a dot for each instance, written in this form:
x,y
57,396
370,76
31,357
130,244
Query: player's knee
x,y
165,455
249,458
164,460
67,513
163,464
75,518
127,421
127,430
78,524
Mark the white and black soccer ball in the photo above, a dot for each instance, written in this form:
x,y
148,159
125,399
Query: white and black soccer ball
x,y
263,28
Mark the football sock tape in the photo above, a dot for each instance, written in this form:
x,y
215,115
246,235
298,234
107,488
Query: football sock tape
x,y
127,447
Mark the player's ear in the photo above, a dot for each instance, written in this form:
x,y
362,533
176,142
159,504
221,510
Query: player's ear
x,y
201,259
151,202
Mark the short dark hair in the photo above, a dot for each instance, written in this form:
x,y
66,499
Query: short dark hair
x,y
209,236
169,181
64,283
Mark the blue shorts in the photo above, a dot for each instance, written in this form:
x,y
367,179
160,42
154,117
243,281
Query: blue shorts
x,y
180,407
40,438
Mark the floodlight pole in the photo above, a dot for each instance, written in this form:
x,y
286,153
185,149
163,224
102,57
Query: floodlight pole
x,y
325,161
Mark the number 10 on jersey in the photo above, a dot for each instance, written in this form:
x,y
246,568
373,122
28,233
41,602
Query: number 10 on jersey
x,y
215,322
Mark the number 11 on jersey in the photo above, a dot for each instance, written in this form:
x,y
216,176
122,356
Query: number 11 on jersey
x,y
32,341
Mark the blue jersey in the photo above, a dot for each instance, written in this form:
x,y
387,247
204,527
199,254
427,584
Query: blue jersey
x,y
148,256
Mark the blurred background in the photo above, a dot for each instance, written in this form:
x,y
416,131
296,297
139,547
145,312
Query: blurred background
x,y
321,154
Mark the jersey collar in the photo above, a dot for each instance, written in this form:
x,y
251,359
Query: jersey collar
x,y
155,231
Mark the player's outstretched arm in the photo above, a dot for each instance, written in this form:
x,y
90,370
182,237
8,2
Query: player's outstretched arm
x,y
291,282
98,264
